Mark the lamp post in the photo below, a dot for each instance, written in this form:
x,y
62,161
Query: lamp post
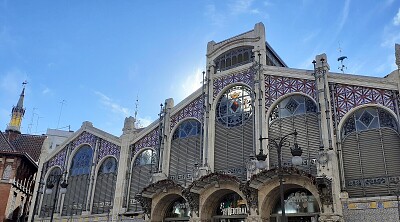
x,y
278,143
54,180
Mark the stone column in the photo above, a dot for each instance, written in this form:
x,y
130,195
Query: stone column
x,y
330,211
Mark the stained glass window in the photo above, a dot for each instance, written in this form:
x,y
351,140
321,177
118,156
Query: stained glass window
x,y
368,118
235,106
109,166
292,106
145,158
82,161
188,128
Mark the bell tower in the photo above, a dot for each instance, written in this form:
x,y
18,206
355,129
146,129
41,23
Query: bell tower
x,y
18,112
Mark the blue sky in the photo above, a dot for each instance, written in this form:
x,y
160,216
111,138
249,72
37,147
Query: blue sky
x,y
99,56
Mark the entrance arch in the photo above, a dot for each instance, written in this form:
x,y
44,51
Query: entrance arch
x,y
295,180
224,204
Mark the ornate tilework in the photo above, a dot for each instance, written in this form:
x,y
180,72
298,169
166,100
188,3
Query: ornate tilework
x,y
108,148
149,140
85,137
346,97
193,109
244,77
276,86
59,159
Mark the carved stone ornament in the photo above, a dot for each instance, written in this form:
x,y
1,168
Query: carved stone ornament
x,y
145,202
213,178
251,195
161,185
193,200
324,185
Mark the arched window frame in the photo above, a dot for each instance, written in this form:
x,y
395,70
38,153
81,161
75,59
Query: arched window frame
x,y
137,161
292,105
241,98
359,120
99,171
182,131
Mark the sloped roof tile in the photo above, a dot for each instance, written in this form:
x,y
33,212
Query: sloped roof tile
x,y
30,144
5,145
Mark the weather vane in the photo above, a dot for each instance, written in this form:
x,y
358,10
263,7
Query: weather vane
x,y
342,67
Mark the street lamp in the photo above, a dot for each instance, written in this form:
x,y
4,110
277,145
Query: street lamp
x,y
278,143
54,180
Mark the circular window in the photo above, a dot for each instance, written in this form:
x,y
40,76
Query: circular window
x,y
235,106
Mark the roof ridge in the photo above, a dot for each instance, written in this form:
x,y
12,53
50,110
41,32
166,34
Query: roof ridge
x,y
7,141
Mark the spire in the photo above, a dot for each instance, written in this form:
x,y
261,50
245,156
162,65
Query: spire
x,y
17,113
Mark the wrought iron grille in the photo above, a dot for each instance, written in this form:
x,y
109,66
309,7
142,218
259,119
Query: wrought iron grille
x,y
75,200
105,186
296,112
185,151
370,153
47,201
140,177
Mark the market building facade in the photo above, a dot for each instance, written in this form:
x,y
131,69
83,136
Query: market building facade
x,y
225,152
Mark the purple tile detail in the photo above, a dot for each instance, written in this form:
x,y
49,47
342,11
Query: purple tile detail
x,y
108,148
193,109
149,140
277,86
244,77
346,97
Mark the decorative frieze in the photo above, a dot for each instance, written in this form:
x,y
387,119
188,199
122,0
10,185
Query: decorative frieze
x,y
346,97
84,138
277,86
107,148
151,139
246,77
193,109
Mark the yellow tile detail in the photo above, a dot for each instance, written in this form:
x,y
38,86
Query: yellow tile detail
x,y
373,205
352,206
387,204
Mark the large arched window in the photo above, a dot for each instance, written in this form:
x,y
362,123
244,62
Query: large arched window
x,y
185,151
140,177
296,112
234,131
48,199
75,200
370,152
105,186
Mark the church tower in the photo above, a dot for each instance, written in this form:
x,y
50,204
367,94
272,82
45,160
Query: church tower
x,y
18,112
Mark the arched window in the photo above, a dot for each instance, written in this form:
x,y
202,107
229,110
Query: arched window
x,y
140,177
296,112
234,131
370,152
185,151
105,186
47,201
75,200
233,58
235,106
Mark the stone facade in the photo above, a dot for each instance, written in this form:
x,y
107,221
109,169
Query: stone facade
x,y
265,91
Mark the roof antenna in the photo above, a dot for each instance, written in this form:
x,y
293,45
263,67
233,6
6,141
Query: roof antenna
x,y
31,123
342,67
59,116
137,122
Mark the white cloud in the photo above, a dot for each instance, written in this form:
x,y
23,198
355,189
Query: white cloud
x,y
396,19
216,18
113,106
243,7
192,82
345,14
46,91
390,37
144,121
12,81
